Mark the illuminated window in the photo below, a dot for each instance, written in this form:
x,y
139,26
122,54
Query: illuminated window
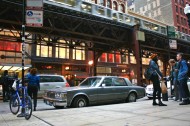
x,y
79,53
62,52
10,46
111,58
44,51
124,59
118,58
103,57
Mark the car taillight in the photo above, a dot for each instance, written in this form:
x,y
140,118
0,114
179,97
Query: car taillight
x,y
67,85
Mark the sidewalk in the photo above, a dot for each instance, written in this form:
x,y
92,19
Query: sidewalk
x,y
141,113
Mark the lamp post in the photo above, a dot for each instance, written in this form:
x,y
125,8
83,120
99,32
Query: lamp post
x,y
22,114
90,65
187,12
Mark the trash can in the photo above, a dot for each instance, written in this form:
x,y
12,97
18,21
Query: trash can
x,y
165,96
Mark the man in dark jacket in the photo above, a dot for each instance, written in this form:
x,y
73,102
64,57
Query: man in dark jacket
x,y
182,79
5,85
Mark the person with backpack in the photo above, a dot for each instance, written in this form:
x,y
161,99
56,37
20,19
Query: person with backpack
x,y
182,79
155,78
33,85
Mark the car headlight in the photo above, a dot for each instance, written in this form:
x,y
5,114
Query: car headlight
x,y
63,95
58,95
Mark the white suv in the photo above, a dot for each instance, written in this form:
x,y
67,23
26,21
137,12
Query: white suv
x,y
51,82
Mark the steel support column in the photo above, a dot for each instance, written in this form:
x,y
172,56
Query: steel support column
x,y
137,51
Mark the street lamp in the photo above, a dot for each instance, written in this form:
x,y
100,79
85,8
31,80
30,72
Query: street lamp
x,y
187,12
90,65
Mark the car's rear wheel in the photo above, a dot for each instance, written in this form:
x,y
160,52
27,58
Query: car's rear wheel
x,y
79,102
132,97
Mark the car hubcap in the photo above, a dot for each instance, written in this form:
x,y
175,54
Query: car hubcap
x,y
81,103
132,98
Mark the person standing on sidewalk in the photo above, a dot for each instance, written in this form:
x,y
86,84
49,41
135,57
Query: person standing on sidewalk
x,y
5,85
156,74
182,78
33,86
173,78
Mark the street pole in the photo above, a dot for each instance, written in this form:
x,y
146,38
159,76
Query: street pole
x,y
22,114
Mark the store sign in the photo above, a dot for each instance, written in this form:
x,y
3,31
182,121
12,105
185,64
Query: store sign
x,y
34,13
140,36
10,46
171,31
34,4
34,18
173,44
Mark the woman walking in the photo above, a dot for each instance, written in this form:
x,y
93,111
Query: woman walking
x,y
33,86
156,75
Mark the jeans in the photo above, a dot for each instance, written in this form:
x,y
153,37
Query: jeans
x,y
156,87
33,93
177,93
184,89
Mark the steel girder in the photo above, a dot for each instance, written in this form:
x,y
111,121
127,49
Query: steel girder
x,y
106,35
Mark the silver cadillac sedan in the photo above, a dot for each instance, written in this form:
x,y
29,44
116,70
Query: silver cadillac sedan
x,y
95,90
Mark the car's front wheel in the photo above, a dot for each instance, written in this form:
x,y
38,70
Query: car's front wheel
x,y
132,97
80,101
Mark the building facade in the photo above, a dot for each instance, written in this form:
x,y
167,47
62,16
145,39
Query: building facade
x,y
170,12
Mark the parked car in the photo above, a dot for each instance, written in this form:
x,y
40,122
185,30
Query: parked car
x,y
95,90
149,90
51,82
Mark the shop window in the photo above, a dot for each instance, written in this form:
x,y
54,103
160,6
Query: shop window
x,y
44,51
103,57
10,46
79,53
118,58
124,59
111,58
62,53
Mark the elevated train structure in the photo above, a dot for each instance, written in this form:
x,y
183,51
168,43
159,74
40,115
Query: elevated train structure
x,y
96,28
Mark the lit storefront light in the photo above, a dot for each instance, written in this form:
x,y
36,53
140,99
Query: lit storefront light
x,y
14,68
6,68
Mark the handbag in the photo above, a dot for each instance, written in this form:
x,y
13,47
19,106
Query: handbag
x,y
14,85
163,87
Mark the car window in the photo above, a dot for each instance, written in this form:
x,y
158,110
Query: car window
x,y
119,82
51,79
107,81
128,82
91,82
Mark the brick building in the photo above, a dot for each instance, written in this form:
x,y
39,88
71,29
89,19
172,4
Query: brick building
x,y
168,11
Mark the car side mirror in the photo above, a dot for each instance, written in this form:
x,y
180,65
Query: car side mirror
x,y
103,85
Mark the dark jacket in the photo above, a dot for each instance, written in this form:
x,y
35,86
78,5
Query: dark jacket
x,y
183,70
155,68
